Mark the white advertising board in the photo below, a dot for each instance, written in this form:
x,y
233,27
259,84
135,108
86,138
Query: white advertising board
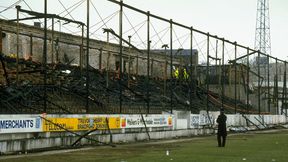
x,y
20,125
200,120
151,121
195,120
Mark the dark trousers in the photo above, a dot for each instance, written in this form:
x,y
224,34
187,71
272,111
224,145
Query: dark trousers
x,y
221,140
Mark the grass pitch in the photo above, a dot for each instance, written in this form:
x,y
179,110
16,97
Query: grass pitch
x,y
266,146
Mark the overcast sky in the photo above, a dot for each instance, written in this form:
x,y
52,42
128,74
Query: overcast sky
x,y
234,20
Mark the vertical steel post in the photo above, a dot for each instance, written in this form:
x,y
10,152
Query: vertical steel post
x,y
217,66
192,88
45,56
268,86
1,44
148,62
58,42
107,63
100,59
223,73
137,64
248,79
129,62
52,42
285,81
276,88
207,73
17,46
31,45
171,65
81,51
152,68
258,63
165,46
87,58
121,51
235,78
283,90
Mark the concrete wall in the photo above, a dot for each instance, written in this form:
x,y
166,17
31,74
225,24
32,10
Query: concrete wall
x,y
184,124
26,145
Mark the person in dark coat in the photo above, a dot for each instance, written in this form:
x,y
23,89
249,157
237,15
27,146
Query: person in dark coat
x,y
222,132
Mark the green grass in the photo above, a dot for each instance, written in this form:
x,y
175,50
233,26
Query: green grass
x,y
260,147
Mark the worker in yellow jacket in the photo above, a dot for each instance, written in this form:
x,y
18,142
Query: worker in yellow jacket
x,y
185,74
176,73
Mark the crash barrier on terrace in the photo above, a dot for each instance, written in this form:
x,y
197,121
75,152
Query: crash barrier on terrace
x,y
25,133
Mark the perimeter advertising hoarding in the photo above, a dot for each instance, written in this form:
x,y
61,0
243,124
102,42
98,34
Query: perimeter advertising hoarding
x,y
79,124
199,120
20,125
152,121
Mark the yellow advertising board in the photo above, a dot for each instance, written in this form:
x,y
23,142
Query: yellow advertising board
x,y
80,124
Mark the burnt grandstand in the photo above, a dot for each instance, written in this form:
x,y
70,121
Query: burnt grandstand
x,y
65,92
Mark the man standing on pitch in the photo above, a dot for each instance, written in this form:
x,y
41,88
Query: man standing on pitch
x,y
222,132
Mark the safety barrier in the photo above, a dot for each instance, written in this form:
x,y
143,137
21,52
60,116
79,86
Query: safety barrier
x,y
21,133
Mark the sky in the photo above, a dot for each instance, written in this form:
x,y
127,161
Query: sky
x,y
234,20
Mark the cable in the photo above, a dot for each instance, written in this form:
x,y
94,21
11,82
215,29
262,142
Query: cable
x,y
30,9
199,48
112,15
157,32
27,5
177,39
106,27
228,51
133,28
104,24
98,13
102,19
78,4
137,34
66,10
136,42
141,23
185,35
210,45
161,38
11,6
